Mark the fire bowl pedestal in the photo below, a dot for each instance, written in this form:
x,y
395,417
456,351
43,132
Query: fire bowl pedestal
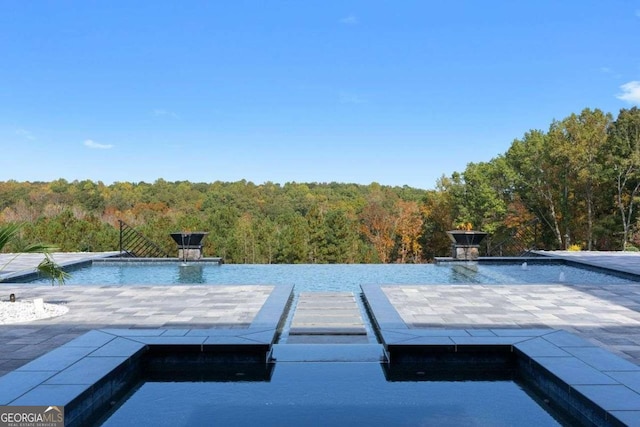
x,y
465,244
189,244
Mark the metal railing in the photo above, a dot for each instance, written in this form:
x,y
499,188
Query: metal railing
x,y
516,242
135,244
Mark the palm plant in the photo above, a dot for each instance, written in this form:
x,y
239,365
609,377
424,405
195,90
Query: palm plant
x,y
48,267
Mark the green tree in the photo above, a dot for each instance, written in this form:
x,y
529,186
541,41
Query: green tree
x,y
484,206
623,166
578,143
342,243
293,238
317,232
538,179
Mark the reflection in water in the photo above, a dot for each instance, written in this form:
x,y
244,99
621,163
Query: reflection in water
x,y
191,273
467,272
331,277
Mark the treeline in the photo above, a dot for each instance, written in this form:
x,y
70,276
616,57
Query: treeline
x,y
248,223
574,184
579,180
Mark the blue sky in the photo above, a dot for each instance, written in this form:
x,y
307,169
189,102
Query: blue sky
x,y
394,92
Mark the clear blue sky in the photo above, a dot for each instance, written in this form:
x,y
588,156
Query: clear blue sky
x,y
394,92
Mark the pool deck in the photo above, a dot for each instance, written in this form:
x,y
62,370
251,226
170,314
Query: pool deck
x,y
628,262
606,315
586,335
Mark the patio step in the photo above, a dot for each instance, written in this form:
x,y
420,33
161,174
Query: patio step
x,y
327,317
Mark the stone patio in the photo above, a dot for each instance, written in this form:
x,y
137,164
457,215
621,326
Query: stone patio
x,y
98,307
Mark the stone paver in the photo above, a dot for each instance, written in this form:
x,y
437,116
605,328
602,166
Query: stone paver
x,y
96,307
327,317
606,314
327,313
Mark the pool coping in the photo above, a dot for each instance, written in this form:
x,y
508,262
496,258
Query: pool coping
x,y
539,257
118,259
32,273
588,376
85,374
99,258
549,258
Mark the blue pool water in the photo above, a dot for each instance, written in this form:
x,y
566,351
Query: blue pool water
x,y
332,277
331,394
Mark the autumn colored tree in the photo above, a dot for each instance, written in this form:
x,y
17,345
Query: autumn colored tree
x,y
409,230
577,182
379,227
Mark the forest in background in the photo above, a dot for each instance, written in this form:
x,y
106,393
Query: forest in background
x,y
573,185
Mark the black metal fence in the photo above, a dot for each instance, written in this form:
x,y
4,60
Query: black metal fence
x,y
515,242
135,244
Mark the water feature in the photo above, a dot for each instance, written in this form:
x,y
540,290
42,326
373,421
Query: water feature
x,y
189,245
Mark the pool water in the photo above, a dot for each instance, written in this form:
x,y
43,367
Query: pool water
x,y
331,277
331,394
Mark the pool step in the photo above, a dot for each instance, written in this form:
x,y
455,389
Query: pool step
x,y
327,317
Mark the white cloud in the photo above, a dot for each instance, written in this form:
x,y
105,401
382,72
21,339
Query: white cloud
x,y
350,20
25,134
92,144
630,92
351,98
159,112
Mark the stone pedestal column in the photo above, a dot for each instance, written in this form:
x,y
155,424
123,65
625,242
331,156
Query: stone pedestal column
x,y
465,252
190,254
465,244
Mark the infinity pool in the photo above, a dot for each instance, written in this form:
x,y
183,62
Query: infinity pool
x,y
332,277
